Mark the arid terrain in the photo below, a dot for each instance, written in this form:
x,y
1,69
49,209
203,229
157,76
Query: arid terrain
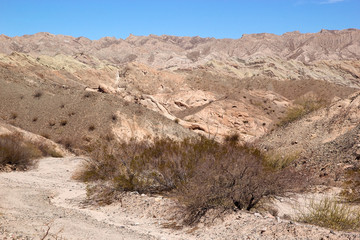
x,y
295,96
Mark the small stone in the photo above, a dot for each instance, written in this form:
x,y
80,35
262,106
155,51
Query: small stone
x,y
257,214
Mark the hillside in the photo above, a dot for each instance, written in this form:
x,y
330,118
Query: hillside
x,y
295,97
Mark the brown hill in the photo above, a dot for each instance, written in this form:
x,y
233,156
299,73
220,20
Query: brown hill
x,y
162,50
212,86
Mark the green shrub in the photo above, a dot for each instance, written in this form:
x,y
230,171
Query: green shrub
x,y
201,173
331,214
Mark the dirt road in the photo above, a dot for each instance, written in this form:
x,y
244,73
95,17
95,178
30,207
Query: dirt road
x,y
30,201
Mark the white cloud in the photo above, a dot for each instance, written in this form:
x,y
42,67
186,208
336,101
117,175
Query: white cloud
x,y
331,1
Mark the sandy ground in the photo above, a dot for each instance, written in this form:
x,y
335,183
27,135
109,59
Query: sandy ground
x,y
47,196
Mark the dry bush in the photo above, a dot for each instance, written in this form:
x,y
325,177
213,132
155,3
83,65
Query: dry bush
x,y
13,116
49,150
232,138
201,173
331,214
63,122
302,107
91,127
352,186
233,177
16,152
276,161
114,118
37,94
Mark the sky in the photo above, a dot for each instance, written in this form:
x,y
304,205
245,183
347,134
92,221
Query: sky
x,y
95,19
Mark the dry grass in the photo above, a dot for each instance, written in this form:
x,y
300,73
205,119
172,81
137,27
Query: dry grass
x,y
331,214
302,106
352,186
17,153
201,173
276,161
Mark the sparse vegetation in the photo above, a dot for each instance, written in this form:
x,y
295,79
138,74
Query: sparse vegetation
x,y
114,117
232,138
352,186
13,116
35,119
49,151
301,107
63,122
91,127
37,94
277,161
87,95
19,154
331,214
202,174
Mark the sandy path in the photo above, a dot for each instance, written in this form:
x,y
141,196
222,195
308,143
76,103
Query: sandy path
x,y
47,195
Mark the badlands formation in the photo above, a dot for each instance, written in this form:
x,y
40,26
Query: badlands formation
x,y
72,91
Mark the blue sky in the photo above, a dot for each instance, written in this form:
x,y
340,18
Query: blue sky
x,y
206,18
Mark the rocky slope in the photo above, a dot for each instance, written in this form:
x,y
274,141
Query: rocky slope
x,y
212,86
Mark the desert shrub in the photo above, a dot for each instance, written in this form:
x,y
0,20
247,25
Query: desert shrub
x,y
16,152
91,127
37,94
302,107
47,150
201,173
114,117
331,214
352,186
232,138
276,161
177,120
87,95
63,122
13,116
